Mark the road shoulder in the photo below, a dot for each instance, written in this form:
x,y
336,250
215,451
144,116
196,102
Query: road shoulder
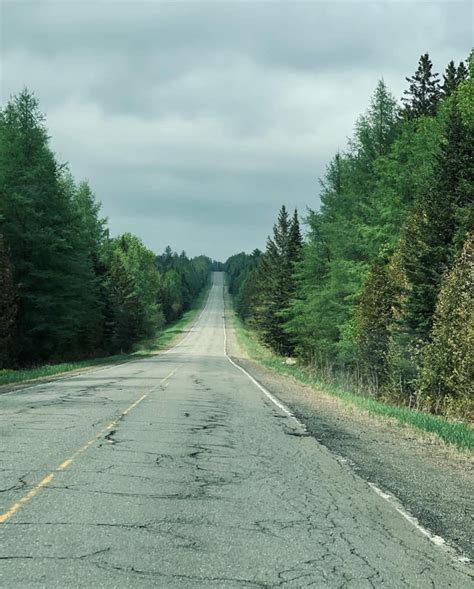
x,y
432,481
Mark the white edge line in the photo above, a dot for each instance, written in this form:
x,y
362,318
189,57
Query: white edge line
x,y
392,500
264,390
434,538
267,393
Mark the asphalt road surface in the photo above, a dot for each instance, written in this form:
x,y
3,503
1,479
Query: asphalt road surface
x,y
178,471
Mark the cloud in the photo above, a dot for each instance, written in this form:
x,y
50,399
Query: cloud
x,y
195,121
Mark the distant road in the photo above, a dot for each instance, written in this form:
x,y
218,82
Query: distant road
x,y
178,471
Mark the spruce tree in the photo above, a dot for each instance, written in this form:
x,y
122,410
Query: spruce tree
x,y
450,79
423,94
428,245
462,73
276,281
295,240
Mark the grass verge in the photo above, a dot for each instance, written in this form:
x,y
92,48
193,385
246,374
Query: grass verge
x,y
163,339
460,435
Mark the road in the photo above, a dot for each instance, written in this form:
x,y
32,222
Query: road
x,y
178,471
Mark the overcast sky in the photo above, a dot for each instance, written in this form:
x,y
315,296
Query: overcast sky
x,y
195,121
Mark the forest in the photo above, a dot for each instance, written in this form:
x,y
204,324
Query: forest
x,y
378,295
68,289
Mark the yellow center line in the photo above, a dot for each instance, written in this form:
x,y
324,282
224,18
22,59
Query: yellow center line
x,y
66,463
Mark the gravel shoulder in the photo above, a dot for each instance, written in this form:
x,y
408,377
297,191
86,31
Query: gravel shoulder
x,y
433,482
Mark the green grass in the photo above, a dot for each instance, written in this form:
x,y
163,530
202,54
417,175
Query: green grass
x,y
167,336
460,435
163,339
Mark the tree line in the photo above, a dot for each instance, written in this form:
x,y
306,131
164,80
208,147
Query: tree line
x,y
68,289
380,294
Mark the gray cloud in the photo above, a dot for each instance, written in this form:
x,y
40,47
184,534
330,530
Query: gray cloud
x,y
195,121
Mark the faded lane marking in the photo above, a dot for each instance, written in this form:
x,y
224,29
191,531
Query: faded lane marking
x,y
4,517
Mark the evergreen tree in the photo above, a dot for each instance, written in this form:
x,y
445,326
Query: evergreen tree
x,y
462,73
133,287
445,383
423,94
90,237
67,289
450,79
373,320
295,240
377,129
428,246
183,280
275,281
465,95
52,274
395,210
403,192
426,249
8,306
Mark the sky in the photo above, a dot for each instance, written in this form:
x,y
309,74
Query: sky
x,y
195,121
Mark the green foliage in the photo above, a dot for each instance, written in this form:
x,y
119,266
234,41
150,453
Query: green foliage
x,y
8,305
345,236
445,383
264,284
68,289
54,280
132,285
183,280
449,79
396,208
422,97
163,339
465,95
373,319
460,435
453,77
429,242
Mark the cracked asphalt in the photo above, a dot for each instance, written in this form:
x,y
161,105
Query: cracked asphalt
x,y
203,482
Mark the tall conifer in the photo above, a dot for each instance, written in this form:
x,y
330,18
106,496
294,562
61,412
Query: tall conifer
x,y
8,306
423,94
428,244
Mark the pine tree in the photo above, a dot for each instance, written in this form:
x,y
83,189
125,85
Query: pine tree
x,y
423,94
